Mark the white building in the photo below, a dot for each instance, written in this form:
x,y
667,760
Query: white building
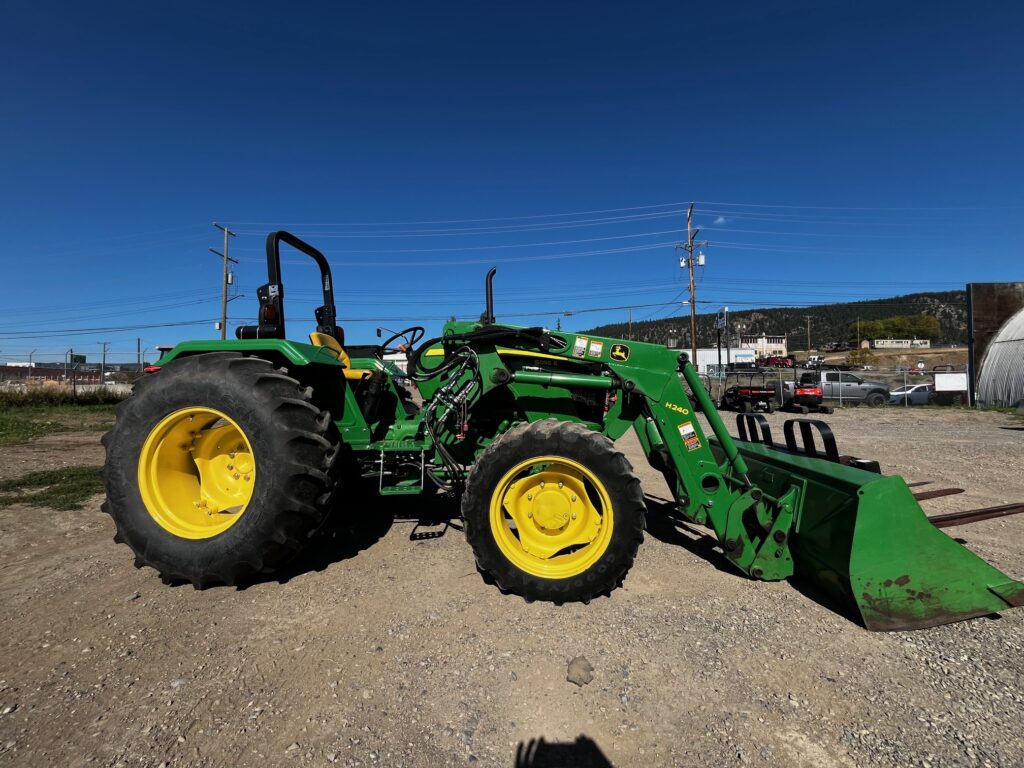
x,y
707,359
901,343
764,345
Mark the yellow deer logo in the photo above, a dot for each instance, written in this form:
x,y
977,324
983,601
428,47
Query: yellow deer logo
x,y
619,352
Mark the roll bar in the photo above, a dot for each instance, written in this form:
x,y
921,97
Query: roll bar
x,y
271,296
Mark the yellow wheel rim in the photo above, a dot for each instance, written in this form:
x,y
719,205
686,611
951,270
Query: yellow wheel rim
x,y
551,517
196,473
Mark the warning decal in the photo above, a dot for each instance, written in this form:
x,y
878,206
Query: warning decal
x,y
579,349
596,348
689,435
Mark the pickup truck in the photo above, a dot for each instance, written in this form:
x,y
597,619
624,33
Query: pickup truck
x,y
839,385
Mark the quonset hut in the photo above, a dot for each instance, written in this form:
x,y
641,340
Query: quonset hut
x,y
1001,379
996,339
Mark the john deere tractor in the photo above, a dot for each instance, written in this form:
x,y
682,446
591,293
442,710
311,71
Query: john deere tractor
x,y
228,458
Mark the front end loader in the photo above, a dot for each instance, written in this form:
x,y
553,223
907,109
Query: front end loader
x,y
227,460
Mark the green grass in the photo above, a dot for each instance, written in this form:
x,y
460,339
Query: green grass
x,y
63,489
22,424
40,396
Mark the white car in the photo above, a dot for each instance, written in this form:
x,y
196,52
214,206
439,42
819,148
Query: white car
x,y
912,394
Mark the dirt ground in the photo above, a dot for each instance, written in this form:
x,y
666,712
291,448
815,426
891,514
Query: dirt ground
x,y
385,651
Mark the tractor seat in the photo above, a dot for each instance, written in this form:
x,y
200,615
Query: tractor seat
x,y
333,346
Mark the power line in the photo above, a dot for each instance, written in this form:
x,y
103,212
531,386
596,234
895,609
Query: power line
x,y
863,208
510,245
467,262
49,332
458,221
473,231
117,313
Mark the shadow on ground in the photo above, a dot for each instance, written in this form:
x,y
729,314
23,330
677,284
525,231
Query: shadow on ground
x,y
359,521
582,753
665,524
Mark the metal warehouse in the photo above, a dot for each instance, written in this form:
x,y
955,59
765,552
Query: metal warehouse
x,y
1001,379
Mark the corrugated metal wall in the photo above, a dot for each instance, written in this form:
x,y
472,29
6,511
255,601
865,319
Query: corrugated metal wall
x,y
1001,379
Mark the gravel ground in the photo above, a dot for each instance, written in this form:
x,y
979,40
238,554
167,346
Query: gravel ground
x,y
383,651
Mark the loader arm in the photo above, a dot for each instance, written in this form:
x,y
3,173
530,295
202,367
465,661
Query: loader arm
x,y
709,478
858,539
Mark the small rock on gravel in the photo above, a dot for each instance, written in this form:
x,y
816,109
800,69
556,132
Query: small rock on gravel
x,y
580,671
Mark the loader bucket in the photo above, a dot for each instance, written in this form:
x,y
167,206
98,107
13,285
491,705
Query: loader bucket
x,y
862,540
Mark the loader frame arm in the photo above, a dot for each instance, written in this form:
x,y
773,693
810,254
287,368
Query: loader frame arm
x,y
709,478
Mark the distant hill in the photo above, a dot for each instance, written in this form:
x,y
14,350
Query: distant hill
x,y
829,322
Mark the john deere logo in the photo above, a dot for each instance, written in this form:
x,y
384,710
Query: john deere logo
x,y
619,352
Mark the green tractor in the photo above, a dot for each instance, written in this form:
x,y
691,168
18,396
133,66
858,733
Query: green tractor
x,y
230,455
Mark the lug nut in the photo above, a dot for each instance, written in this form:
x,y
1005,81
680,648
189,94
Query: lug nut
x,y
529,497
237,475
574,497
231,466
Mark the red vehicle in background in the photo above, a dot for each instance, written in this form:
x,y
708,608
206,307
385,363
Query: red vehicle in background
x,y
775,361
804,396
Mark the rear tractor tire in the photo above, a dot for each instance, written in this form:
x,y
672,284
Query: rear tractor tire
x,y
217,469
554,512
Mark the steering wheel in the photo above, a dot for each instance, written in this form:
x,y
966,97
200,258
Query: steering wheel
x,y
412,336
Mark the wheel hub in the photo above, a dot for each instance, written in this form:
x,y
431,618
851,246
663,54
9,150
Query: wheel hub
x,y
551,516
196,473
551,509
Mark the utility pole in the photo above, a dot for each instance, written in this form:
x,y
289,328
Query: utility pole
x,y
224,283
808,334
103,363
138,354
687,261
629,335
30,361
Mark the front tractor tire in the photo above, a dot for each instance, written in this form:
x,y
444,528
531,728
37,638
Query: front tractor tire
x,y
217,469
554,512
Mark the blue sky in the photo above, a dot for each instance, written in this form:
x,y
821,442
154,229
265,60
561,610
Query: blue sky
x,y
835,151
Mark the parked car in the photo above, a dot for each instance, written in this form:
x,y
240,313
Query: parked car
x,y
846,387
912,394
775,361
